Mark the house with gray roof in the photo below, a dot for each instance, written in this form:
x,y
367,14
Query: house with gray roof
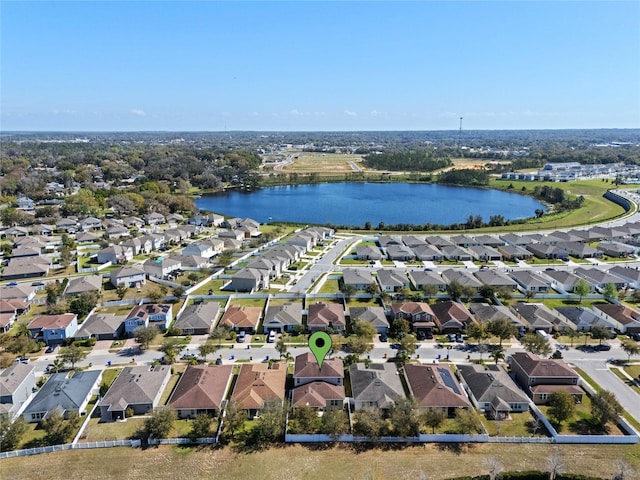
x,y
515,252
439,241
386,240
368,252
530,281
392,280
17,384
616,249
485,253
456,253
101,326
464,241
162,267
490,241
564,281
583,318
492,390
373,315
249,279
485,312
358,278
600,278
400,253
541,317
283,318
377,385
64,392
515,239
549,252
496,279
580,250
427,252
462,277
139,245
198,319
116,254
129,276
413,241
138,388
84,284
629,274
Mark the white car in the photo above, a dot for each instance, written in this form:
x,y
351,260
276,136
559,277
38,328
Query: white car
x,y
272,336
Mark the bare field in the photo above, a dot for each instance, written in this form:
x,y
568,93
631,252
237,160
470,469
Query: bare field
x,y
432,461
311,162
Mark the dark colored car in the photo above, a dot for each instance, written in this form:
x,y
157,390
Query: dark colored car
x,y
636,337
421,335
383,337
603,347
428,335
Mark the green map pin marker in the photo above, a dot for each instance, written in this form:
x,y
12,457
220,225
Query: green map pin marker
x,y
320,344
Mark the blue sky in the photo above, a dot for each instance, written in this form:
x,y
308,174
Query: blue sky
x,y
121,66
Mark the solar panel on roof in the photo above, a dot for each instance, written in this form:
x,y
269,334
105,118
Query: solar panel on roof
x,y
448,380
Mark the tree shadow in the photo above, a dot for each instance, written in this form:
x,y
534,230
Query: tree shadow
x,y
456,448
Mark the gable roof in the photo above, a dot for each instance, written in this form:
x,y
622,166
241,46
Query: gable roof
x,y
202,387
13,376
241,316
379,383
64,392
258,383
490,384
306,366
287,314
373,315
326,313
201,315
87,283
100,324
435,386
52,321
316,394
534,366
136,385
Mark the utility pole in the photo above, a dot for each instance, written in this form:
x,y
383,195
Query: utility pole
x,y
460,136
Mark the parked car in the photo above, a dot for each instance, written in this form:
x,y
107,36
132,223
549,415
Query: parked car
x,y
603,347
451,337
636,337
429,335
459,338
272,336
22,360
49,349
241,336
421,335
383,337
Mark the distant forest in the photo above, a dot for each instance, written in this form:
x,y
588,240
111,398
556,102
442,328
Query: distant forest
x,y
411,160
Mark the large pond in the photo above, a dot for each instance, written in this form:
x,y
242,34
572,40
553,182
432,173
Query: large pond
x,y
358,203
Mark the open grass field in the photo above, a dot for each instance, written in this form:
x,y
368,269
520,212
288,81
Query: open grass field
x,y
313,463
322,163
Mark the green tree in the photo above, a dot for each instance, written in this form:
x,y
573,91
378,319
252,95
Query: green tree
x,y
373,289
348,291
270,424
581,288
468,421
562,406
370,423
363,329
334,423
630,348
11,433
400,327
171,348
497,355
20,345
145,335
610,291
358,345
121,291
600,333
433,419
404,417
306,419
219,333
430,290
487,291
501,328
207,349
58,430
479,331
155,295
281,347
201,426
406,347
604,408
159,423
534,343
72,354
83,303
234,418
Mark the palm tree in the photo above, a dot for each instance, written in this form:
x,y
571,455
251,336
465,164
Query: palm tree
x,y
498,355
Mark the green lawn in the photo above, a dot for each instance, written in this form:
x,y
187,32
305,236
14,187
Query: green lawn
x,y
110,374
518,425
330,286
631,384
98,431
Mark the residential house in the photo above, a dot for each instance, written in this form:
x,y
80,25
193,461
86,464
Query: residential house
x,y
320,396
190,262
400,253
272,268
549,252
20,291
117,231
495,279
451,317
462,277
323,316
492,391
236,235
53,329
485,253
200,249
17,383
392,280
207,220
258,383
157,241
357,278
127,276
85,284
25,203
387,240
64,392
154,218
67,224
616,249
198,319
630,275
600,278
283,318
564,281
413,241
372,315
423,279
464,241
376,385
249,279
435,387
439,242
485,312
418,314
624,318
368,252
541,377
428,253
101,326
242,317
201,390
26,267
116,254
540,317
175,218
456,253
159,315
139,245
515,252
133,222
90,223
581,250
583,318
162,267
137,389
530,281
306,370
303,239
490,241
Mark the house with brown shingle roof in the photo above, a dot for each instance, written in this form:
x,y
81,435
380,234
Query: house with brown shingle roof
x,y
322,316
418,314
257,383
201,390
318,395
435,387
53,329
540,377
306,370
624,318
241,317
451,317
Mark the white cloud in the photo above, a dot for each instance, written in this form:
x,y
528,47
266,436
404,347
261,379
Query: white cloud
x,y
350,113
138,112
